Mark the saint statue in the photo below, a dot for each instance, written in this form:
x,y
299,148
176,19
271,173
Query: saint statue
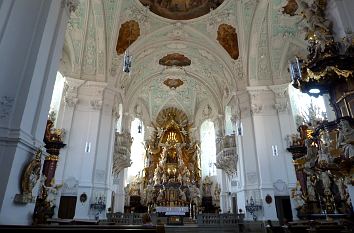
x,y
346,138
182,195
326,182
160,196
296,194
310,191
217,191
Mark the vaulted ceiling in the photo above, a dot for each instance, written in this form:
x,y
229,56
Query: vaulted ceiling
x,y
237,44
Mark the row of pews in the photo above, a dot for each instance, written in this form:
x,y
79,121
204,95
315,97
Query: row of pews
x,y
82,228
312,226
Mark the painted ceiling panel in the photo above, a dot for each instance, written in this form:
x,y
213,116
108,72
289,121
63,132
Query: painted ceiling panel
x,y
263,33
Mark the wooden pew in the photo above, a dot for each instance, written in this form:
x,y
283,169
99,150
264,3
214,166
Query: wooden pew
x,y
82,228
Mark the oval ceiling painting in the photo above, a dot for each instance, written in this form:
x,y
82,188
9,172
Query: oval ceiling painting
x,y
181,9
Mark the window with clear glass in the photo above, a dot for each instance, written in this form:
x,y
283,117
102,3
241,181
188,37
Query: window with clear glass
x,y
137,149
57,95
306,109
208,148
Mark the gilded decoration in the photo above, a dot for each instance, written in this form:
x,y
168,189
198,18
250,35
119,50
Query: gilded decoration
x,y
181,9
172,175
329,64
323,157
173,83
29,179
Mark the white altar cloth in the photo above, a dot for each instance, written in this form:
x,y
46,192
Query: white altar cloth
x,y
172,210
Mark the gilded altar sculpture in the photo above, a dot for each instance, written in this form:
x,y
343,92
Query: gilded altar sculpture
x,y
29,179
324,168
172,175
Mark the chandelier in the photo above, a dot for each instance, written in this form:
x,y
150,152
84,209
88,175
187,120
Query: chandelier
x,y
127,58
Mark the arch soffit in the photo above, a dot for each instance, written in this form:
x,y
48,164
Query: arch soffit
x,y
80,35
254,36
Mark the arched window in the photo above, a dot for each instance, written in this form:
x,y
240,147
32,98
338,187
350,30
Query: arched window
x,y
57,95
208,148
305,107
137,149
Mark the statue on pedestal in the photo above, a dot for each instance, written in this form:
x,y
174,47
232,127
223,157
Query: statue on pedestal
x,y
346,138
217,191
207,183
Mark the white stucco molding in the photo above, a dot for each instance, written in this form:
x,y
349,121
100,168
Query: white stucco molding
x,y
71,87
281,97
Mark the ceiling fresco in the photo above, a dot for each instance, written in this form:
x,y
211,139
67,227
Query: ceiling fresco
x,y
181,62
181,9
175,59
227,37
128,33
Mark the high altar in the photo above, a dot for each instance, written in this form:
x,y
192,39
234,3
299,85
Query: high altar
x,y
172,174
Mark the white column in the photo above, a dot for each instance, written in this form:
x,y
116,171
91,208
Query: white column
x,y
224,190
65,121
120,194
31,41
287,127
340,13
104,151
248,162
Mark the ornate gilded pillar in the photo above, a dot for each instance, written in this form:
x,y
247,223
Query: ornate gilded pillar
x,y
53,144
45,202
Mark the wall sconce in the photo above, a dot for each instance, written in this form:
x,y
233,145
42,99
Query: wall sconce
x,y
239,128
88,147
275,150
140,127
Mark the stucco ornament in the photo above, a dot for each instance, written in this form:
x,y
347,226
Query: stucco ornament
x,y
121,154
227,162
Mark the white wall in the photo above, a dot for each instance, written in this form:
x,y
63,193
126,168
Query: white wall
x,y
30,48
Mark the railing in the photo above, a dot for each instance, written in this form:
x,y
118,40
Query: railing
x,y
124,219
209,219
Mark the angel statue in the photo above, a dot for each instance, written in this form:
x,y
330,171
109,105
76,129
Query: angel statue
x,y
312,15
